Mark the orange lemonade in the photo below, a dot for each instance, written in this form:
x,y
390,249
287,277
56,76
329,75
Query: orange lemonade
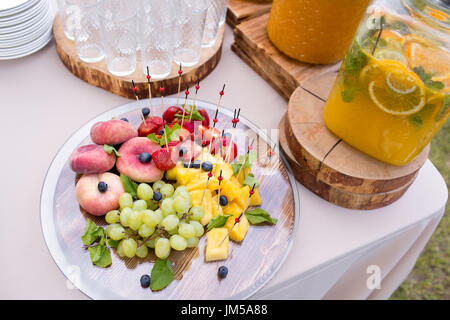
x,y
314,31
392,93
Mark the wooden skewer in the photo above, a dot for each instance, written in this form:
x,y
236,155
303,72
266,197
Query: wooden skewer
x,y
220,178
184,106
245,159
215,120
265,168
161,89
235,121
206,185
197,86
180,72
137,99
150,92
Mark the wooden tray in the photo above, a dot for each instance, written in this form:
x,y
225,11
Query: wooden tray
x,y
241,10
284,74
251,263
330,167
97,73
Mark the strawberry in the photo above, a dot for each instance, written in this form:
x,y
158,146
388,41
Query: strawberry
x,y
163,159
215,147
151,125
170,113
205,116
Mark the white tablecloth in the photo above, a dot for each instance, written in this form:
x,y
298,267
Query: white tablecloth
x,y
42,104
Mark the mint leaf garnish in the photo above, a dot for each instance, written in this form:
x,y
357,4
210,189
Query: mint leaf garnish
x,y
258,216
91,233
162,274
129,185
247,160
171,133
100,256
110,149
196,116
250,180
355,59
217,222
444,109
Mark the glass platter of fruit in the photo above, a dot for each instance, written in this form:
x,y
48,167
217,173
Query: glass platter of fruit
x,y
196,204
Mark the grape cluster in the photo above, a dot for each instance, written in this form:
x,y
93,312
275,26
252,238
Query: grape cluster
x,y
173,225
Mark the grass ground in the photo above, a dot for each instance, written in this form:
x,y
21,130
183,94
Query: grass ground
x,y
430,278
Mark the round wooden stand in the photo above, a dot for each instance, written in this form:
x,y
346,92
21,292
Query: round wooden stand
x,y
97,73
328,166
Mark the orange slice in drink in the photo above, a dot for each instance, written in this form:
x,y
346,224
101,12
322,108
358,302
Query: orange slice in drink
x,y
396,90
432,59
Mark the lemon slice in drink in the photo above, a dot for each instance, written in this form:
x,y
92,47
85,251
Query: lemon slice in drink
x,y
400,82
394,102
387,54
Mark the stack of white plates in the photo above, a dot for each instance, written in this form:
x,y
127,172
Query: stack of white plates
x,y
25,27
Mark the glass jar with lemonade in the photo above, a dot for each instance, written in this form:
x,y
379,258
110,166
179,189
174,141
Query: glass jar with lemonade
x,y
392,93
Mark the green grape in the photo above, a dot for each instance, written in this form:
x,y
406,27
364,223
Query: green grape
x,y
125,200
170,222
173,231
158,185
152,218
186,196
167,207
140,205
142,251
179,190
177,242
198,228
197,212
125,216
151,243
146,231
112,216
115,231
186,230
120,249
180,204
167,190
144,192
129,247
135,220
192,242
162,248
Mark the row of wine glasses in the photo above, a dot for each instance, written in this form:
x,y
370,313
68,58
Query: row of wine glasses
x,y
166,33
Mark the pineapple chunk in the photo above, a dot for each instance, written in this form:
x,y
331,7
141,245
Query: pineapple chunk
x,y
255,200
229,189
216,208
241,174
213,184
207,205
217,243
185,175
240,229
232,208
172,173
198,183
230,223
242,198
227,170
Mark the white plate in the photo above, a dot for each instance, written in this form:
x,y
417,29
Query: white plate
x,y
13,31
20,41
10,7
22,16
28,48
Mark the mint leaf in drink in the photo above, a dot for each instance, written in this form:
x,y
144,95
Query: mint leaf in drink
x,y
129,185
91,233
400,27
349,94
444,109
427,79
355,59
162,274
110,149
217,222
100,256
416,121
258,216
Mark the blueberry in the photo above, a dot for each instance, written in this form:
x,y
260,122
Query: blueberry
x,y
102,187
145,281
207,166
161,132
223,201
186,164
157,196
223,272
145,157
124,119
182,151
145,111
195,164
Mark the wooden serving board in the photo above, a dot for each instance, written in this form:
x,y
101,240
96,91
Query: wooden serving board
x,y
330,167
283,73
97,73
241,10
251,263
